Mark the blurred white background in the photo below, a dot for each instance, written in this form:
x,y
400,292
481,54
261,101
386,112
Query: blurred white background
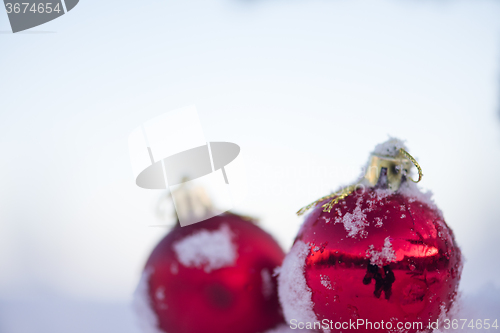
x,y
305,88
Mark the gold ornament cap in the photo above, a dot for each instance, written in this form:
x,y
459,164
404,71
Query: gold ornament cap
x,y
397,168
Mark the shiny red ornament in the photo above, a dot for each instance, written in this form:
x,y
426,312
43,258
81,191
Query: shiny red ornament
x,y
401,265
379,260
215,276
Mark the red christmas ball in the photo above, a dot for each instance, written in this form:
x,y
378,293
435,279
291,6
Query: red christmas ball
x,y
215,276
379,261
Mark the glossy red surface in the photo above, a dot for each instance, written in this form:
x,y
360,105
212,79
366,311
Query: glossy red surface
x,y
225,300
420,276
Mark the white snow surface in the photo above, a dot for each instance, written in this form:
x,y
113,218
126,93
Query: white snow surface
x,y
148,321
294,293
50,313
383,257
208,249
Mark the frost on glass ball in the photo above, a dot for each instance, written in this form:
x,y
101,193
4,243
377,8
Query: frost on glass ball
x,y
377,256
215,276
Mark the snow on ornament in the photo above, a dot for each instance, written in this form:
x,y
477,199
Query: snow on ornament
x,y
377,253
215,276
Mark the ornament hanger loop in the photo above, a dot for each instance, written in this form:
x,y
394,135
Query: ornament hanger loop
x,y
340,195
420,174
336,197
306,208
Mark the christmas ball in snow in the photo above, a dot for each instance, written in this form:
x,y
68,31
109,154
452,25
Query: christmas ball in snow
x,y
213,277
378,254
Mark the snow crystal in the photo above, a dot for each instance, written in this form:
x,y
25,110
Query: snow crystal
x,y
355,222
267,283
389,148
294,293
142,305
325,281
208,249
382,257
382,193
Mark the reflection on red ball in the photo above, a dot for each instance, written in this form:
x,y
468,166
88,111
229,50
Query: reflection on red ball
x,y
380,256
215,277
